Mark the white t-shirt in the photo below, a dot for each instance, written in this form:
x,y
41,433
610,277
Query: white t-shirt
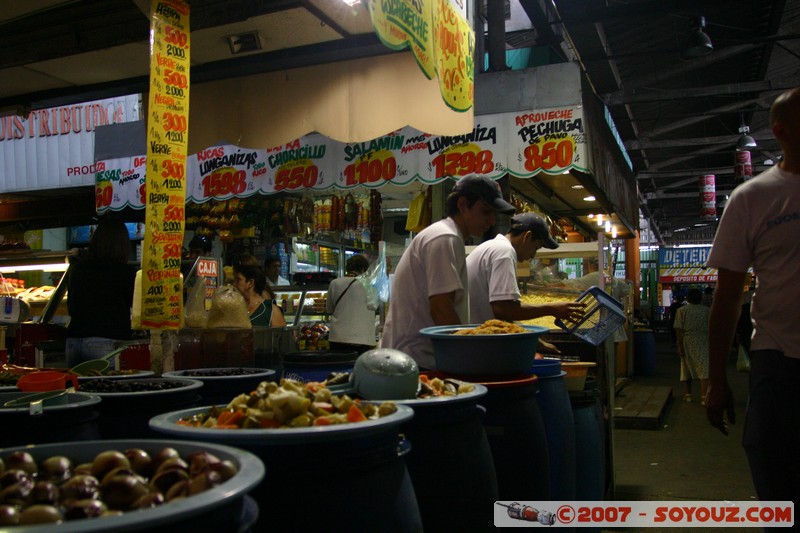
x,y
492,275
352,322
761,227
435,263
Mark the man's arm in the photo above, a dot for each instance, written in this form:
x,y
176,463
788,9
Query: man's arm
x,y
442,308
511,310
725,311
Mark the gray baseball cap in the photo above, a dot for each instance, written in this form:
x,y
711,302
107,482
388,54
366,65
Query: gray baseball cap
x,y
536,225
487,189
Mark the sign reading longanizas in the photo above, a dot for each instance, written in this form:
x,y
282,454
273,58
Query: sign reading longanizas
x,y
167,141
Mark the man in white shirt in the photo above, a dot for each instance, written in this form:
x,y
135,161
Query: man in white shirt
x,y
492,274
430,281
273,271
760,227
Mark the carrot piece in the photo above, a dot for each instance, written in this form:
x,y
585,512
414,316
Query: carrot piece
x,y
354,414
322,421
269,423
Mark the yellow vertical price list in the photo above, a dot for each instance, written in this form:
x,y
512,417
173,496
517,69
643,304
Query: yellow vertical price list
x,y
167,140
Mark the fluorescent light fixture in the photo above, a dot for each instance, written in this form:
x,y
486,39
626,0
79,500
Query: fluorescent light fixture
x,y
578,186
589,199
608,226
613,232
590,216
52,267
600,219
351,3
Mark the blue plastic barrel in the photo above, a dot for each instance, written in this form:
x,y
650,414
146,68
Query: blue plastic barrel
x,y
451,464
515,429
590,468
644,352
559,425
317,365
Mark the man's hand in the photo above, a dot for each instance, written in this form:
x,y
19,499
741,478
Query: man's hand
x,y
572,311
719,402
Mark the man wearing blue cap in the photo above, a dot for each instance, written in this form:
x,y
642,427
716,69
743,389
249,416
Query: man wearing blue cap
x,y
492,274
430,281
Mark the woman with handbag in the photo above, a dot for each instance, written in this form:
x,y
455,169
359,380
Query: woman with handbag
x,y
352,320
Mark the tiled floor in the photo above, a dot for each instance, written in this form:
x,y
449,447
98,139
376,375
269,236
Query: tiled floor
x,y
686,459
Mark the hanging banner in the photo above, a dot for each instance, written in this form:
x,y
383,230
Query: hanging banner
x,y
708,197
440,38
549,141
742,165
167,140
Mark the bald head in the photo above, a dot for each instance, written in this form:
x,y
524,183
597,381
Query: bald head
x,y
784,118
783,106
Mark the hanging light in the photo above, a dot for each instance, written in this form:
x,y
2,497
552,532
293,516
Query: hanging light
x,y
745,141
699,43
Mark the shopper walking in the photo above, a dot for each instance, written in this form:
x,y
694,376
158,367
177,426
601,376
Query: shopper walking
x,y
691,329
759,229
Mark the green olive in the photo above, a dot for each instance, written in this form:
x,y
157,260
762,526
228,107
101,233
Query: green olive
x,y
140,460
120,492
56,467
107,461
40,514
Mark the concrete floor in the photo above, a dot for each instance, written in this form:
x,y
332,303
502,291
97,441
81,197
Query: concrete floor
x,y
686,459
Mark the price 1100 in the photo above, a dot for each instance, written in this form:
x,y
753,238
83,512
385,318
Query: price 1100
x,y
370,171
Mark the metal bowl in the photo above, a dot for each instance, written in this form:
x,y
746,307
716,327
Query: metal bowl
x,y
483,355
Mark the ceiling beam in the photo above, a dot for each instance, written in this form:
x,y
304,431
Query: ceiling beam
x,y
634,96
643,143
672,174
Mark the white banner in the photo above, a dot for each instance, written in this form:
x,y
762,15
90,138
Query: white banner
x,y
551,141
53,148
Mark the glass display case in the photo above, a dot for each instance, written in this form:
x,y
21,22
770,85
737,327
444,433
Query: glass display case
x,y
317,256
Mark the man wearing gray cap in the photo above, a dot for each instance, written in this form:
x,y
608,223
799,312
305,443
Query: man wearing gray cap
x,y
492,274
430,281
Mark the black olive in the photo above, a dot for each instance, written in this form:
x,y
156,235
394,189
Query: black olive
x,y
80,487
165,479
44,492
140,460
120,492
153,499
9,516
17,494
21,461
12,477
85,509
56,468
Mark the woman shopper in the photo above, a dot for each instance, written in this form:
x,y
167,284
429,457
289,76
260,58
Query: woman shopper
x,y
691,328
352,320
100,294
250,280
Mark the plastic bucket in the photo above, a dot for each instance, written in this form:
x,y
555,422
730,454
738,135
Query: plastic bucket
x,y
126,415
515,431
451,463
221,385
73,420
590,456
46,381
346,477
317,365
553,401
644,352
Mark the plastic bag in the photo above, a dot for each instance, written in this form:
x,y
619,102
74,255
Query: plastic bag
x,y
742,360
419,212
228,309
195,314
376,281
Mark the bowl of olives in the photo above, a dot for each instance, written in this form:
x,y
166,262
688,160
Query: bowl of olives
x,y
220,385
126,485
